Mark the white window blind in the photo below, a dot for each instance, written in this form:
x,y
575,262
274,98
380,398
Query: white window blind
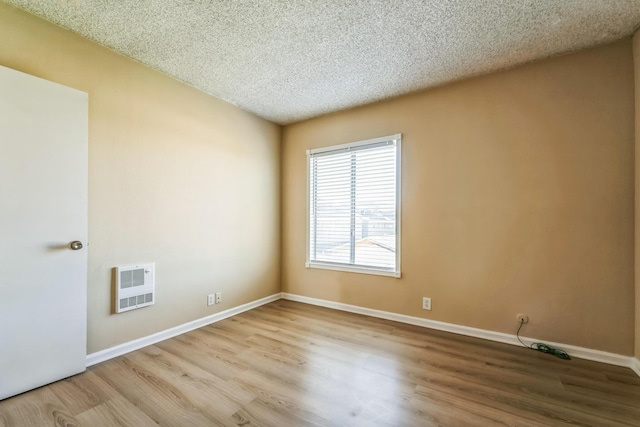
x,y
354,206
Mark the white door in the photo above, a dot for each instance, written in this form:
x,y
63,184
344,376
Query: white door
x,y
43,208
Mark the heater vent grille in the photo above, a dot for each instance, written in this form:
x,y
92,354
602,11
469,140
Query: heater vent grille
x,y
135,286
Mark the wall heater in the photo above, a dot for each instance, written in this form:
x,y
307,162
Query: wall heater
x,y
135,286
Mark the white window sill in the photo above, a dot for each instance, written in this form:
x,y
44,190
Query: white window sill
x,y
353,269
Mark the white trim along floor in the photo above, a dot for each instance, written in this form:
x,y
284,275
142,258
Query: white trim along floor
x,y
573,351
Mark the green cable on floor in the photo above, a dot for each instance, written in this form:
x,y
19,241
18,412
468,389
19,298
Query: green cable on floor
x,y
544,348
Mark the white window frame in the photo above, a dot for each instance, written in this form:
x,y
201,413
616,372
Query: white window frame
x,y
396,272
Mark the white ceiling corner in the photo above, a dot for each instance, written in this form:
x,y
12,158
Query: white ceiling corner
x,y
289,60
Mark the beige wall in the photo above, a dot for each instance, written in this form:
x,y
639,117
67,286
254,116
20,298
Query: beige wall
x,y
167,165
636,57
517,198
517,193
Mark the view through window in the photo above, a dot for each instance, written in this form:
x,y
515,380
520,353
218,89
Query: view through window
x,y
353,220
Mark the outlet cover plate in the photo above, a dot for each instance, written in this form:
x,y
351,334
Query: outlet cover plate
x,y
426,303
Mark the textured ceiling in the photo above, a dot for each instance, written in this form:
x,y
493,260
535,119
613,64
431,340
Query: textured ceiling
x,y
288,60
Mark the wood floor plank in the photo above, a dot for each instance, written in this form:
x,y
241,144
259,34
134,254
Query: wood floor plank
x,y
544,390
262,413
40,407
514,406
203,388
115,412
447,409
204,350
313,410
291,364
162,401
82,392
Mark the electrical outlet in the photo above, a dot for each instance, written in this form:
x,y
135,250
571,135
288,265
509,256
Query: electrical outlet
x,y
210,299
218,297
522,318
426,303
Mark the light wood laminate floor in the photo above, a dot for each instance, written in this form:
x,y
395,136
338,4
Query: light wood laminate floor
x,y
291,364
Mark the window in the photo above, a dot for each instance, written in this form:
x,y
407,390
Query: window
x,y
353,220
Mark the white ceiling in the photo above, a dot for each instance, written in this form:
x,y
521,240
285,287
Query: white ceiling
x,y
289,60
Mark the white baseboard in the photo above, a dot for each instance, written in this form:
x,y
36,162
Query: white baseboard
x,y
574,351
635,365
109,353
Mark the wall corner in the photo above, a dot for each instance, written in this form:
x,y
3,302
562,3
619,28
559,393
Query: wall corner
x,y
636,71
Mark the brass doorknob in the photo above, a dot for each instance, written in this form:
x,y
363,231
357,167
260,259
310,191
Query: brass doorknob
x,y
76,245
